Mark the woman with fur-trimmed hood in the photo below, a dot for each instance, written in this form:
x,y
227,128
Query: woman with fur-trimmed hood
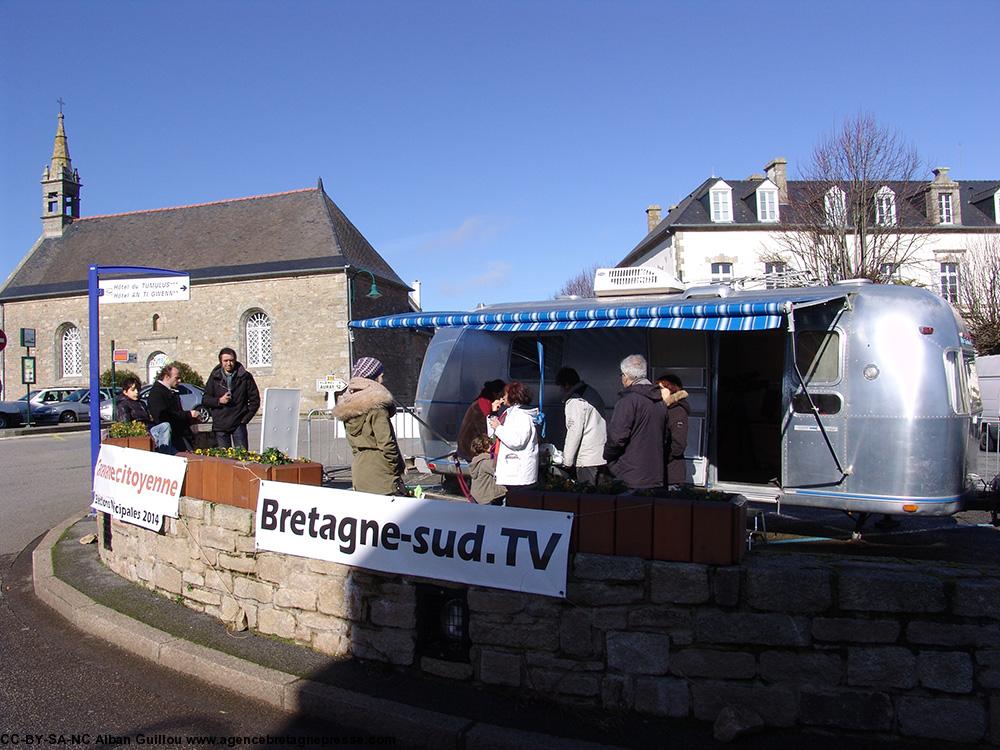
x,y
365,409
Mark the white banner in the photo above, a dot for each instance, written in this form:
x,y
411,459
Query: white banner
x,y
145,289
139,487
485,545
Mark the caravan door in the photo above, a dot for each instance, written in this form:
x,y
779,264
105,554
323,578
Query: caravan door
x,y
815,422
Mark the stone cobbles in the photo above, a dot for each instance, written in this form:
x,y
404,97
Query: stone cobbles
x,y
777,705
726,583
662,696
763,629
977,599
890,591
887,666
608,568
638,653
783,589
941,718
679,583
853,630
801,669
947,671
500,667
846,709
727,665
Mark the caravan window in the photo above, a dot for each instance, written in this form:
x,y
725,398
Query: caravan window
x,y
817,353
958,390
972,379
524,357
826,403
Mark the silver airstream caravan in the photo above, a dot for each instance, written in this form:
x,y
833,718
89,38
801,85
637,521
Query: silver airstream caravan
x,y
856,396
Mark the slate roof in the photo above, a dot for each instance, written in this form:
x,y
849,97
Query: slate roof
x,y
282,234
693,211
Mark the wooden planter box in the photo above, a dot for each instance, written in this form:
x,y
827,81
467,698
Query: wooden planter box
x,y
653,528
144,443
229,482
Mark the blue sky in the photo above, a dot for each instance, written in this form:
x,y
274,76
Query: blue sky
x,y
491,150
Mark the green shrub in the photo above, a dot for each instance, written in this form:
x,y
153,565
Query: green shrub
x,y
271,456
127,429
188,373
120,375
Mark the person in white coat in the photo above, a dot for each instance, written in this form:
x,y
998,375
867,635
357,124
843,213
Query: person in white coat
x,y
586,430
516,436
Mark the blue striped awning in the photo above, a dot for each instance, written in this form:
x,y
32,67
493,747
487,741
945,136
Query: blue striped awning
x,y
691,316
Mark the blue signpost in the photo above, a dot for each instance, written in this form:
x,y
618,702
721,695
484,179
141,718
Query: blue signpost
x,y
93,301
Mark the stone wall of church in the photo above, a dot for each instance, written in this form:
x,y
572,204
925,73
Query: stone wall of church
x,y
308,317
401,350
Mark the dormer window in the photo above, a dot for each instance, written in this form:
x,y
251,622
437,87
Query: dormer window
x,y
945,214
721,197
835,203
885,207
767,204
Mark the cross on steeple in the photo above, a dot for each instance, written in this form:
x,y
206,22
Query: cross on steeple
x,y
61,103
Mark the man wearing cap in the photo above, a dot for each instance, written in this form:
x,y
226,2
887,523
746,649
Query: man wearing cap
x,y
365,409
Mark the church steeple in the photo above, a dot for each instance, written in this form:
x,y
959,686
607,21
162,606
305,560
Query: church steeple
x,y
60,187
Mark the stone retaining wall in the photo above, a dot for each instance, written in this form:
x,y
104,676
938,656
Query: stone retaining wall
x,y
876,648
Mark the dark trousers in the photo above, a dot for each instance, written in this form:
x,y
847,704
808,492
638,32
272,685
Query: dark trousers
x,y
588,474
235,438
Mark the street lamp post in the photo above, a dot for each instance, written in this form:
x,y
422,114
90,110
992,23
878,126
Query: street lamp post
x,y
373,293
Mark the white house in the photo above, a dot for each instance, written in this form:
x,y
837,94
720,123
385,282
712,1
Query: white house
x,y
729,229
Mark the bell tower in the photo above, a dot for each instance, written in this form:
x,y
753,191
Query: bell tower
x,y
60,187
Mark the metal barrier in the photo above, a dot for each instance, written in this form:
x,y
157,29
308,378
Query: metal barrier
x,y
326,440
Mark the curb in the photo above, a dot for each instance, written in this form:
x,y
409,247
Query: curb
x,y
52,429
287,692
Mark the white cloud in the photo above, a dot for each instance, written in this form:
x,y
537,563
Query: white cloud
x,y
472,231
495,275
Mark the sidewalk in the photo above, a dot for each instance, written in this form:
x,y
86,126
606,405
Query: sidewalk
x,y
417,710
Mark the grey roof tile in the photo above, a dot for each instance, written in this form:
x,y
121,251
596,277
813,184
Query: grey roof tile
x,y
280,234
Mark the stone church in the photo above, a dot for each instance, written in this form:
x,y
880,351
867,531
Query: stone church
x,y
276,277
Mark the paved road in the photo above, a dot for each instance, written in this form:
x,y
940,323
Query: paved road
x,y
57,682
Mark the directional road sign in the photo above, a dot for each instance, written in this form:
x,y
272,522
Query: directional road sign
x,y
147,289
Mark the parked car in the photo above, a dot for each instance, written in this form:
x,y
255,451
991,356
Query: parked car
x,y
49,395
76,406
191,396
14,413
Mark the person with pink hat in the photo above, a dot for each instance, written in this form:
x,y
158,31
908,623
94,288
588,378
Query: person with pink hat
x,y
366,409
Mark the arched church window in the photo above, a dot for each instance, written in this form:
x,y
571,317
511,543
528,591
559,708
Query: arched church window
x,y
258,339
71,351
156,322
154,364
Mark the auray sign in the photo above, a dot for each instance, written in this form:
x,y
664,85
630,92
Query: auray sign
x,y
145,289
138,487
506,548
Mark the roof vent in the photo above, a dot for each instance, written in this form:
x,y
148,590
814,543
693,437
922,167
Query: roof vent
x,y
709,290
615,282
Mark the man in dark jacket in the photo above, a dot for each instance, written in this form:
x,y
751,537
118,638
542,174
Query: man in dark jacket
x,y
634,449
165,406
232,396
678,411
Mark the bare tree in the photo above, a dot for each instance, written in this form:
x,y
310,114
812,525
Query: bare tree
x,y
581,285
980,293
853,214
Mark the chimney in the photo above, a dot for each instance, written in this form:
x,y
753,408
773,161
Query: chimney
x,y
941,174
415,295
652,216
777,172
